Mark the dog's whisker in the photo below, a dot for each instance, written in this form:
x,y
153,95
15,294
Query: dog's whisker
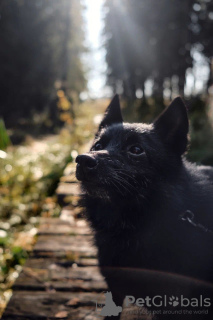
x,y
123,184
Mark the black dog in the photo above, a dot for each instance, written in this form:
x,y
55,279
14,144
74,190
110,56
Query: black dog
x,y
149,207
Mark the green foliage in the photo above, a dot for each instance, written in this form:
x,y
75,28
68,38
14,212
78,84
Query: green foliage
x,y
4,138
28,174
201,133
154,40
19,255
41,45
55,175
147,39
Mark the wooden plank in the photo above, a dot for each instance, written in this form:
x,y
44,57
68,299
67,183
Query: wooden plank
x,y
69,285
45,263
69,255
68,214
50,305
56,271
82,313
55,221
80,245
60,278
71,189
69,178
58,226
59,305
70,170
68,193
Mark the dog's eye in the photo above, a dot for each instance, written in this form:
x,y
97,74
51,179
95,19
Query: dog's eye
x,y
136,150
98,146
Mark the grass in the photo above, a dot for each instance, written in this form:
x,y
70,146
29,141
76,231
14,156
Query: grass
x,y
27,176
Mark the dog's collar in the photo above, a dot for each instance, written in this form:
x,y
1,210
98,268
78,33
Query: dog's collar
x,y
189,217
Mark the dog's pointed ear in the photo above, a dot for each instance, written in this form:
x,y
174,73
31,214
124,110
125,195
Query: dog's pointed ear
x,y
112,114
173,126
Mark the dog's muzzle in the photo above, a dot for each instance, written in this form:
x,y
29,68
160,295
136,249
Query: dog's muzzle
x,y
86,165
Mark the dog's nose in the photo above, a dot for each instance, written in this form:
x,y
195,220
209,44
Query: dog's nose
x,y
86,161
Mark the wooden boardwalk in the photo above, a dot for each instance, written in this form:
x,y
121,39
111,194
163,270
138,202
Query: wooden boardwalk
x,y
61,279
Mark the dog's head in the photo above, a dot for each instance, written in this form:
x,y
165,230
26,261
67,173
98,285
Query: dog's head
x,y
128,158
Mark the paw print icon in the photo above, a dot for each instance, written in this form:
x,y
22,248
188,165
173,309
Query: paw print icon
x,y
174,301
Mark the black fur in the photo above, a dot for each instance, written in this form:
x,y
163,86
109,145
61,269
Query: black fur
x,y
135,202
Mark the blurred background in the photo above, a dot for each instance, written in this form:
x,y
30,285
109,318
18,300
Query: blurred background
x,y
60,63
